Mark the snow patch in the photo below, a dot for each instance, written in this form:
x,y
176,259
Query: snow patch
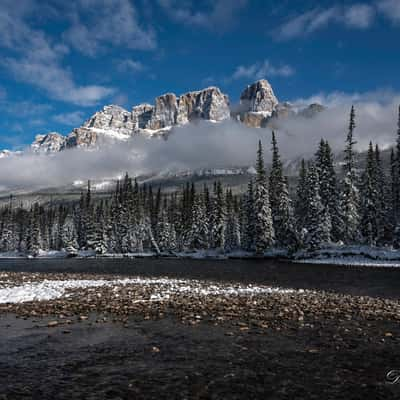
x,y
164,288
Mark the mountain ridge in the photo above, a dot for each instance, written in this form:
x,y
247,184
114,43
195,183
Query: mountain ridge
x,y
258,108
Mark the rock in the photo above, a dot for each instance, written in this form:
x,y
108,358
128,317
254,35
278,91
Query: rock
x,y
312,110
49,143
208,104
141,115
82,137
113,118
254,119
257,103
165,112
258,108
258,97
52,324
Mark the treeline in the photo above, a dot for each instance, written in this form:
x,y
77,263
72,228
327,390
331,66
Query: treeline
x,y
351,208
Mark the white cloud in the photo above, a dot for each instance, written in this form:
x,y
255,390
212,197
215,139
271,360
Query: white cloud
x,y
97,24
220,16
36,60
391,9
130,66
25,109
357,16
261,70
209,145
73,119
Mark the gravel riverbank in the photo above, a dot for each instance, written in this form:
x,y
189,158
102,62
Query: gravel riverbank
x,y
160,337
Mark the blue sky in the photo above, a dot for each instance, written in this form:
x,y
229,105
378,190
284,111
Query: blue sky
x,y
61,62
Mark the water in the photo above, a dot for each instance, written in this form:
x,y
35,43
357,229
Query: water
x,y
366,281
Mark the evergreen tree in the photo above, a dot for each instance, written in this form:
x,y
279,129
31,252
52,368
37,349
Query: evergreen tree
x,y
349,200
329,191
233,238
218,220
281,205
264,230
198,236
301,197
368,204
69,236
248,219
318,224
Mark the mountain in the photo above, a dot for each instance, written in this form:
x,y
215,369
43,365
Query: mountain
x,y
258,108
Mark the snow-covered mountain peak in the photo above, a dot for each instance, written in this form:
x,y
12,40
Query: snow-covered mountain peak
x,y
258,106
49,143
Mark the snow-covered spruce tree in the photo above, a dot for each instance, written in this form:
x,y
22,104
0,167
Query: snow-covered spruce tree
x,y
22,222
34,239
329,190
317,221
198,235
395,182
281,205
90,231
8,238
301,198
69,235
248,219
164,229
264,229
100,242
368,200
396,175
349,196
383,202
217,226
232,241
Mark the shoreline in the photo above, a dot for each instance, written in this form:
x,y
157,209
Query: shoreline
x,y
115,341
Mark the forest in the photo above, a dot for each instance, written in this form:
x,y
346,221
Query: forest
x,y
327,206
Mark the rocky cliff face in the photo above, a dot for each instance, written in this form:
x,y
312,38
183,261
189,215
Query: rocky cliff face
x,y
258,108
49,143
141,115
113,118
208,104
257,104
258,97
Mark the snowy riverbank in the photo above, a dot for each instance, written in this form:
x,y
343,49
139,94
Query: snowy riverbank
x,y
335,255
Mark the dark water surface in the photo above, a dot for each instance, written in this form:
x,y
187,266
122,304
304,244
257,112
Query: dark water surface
x,y
165,359
365,281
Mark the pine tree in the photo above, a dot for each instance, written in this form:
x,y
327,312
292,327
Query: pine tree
x,y
34,241
233,239
396,175
368,205
301,204
383,201
197,238
281,206
264,230
329,191
349,197
218,220
248,219
69,236
318,224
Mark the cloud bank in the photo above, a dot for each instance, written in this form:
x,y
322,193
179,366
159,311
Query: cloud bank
x,y
208,145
